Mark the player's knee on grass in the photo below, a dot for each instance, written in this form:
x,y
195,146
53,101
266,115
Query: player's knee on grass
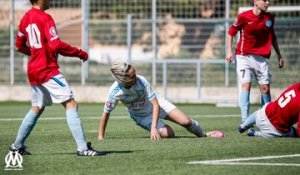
x,y
167,132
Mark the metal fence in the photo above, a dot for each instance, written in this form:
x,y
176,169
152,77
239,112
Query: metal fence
x,y
174,43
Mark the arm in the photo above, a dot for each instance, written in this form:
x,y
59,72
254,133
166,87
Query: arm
x,y
276,48
229,40
232,31
21,44
68,50
298,126
155,112
102,125
59,46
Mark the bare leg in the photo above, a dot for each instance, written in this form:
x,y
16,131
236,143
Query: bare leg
x,y
177,116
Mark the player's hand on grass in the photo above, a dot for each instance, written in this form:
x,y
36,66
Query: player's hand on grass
x,y
155,134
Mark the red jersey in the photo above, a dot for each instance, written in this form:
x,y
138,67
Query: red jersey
x,y
256,33
285,111
38,38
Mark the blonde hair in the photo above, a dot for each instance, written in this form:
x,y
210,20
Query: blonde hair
x,y
120,72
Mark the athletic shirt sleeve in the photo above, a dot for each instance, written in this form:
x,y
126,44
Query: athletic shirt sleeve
x,y
56,44
146,84
111,99
21,39
236,26
50,29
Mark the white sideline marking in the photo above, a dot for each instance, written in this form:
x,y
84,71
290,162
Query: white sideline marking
x,y
62,118
237,161
92,131
118,117
215,116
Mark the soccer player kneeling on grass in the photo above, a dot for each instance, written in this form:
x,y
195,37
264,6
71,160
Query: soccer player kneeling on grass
x,y
278,118
146,107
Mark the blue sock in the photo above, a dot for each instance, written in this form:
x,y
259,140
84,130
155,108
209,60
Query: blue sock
x,y
250,121
76,128
244,104
26,127
265,98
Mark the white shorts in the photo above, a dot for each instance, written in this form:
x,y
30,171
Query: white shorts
x,y
165,108
249,66
266,128
55,90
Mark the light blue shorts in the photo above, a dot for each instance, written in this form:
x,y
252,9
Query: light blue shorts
x,y
146,121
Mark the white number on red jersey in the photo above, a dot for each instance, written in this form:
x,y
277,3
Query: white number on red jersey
x,y
34,35
284,100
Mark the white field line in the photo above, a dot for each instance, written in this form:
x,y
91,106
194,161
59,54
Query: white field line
x,y
253,163
237,161
92,131
117,117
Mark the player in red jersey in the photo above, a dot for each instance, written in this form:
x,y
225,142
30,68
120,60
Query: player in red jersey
x,y
37,38
276,119
256,28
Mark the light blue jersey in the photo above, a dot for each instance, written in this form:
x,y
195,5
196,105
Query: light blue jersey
x,y
136,99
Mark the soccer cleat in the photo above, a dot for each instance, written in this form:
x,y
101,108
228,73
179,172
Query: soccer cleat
x,y
241,129
90,151
215,134
22,151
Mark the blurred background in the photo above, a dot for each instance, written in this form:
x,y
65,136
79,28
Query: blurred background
x,y
178,45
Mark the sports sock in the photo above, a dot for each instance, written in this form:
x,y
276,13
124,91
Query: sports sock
x,y
292,132
244,104
76,128
26,127
265,98
250,121
196,129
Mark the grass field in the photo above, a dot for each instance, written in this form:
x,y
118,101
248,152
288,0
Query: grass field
x,y
130,151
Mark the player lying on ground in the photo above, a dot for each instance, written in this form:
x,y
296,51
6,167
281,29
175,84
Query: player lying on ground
x,y
146,107
277,118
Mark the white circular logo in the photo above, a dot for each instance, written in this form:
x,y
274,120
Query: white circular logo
x,y
13,161
53,31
